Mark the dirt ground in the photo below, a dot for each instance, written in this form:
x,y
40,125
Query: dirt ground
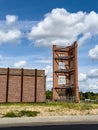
x,y
44,110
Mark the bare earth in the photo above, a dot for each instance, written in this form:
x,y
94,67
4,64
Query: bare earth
x,y
49,110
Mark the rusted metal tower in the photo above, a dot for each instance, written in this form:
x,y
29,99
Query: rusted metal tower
x,y
65,73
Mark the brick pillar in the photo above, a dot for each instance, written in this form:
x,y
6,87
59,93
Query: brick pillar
x,y
7,85
55,77
35,85
21,99
76,72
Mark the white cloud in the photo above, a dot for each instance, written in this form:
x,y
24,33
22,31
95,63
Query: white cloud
x,y
48,70
93,87
93,53
82,77
45,61
10,36
20,64
10,19
24,26
93,73
90,85
49,74
85,37
61,27
89,81
14,30
1,57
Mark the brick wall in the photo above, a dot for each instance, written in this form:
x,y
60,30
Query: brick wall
x,y
69,88
3,88
22,85
14,89
40,90
28,89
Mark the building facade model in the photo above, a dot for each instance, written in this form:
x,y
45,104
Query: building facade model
x,y
22,85
65,73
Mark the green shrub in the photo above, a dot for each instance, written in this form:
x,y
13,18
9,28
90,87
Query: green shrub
x,y
28,113
86,106
10,114
21,113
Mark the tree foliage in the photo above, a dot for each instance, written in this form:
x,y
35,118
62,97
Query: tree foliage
x,y
88,95
49,94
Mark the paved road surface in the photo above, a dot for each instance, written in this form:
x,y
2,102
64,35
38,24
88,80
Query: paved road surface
x,y
49,120
55,127
50,123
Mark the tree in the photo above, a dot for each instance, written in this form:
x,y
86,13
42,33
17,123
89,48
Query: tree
x,y
88,95
49,94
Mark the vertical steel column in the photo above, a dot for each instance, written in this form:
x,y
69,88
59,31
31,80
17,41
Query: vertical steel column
x,y
7,85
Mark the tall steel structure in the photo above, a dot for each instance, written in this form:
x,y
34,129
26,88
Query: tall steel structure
x,y
65,73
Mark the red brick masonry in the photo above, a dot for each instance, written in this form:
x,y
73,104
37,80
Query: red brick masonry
x,y
22,85
65,73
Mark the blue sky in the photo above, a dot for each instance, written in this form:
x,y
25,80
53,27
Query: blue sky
x,y
29,28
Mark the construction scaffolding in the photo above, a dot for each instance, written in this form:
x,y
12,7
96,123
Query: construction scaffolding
x,y
65,73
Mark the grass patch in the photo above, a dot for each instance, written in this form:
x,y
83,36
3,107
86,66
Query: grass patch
x,y
21,113
86,106
10,114
76,106
28,113
47,108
